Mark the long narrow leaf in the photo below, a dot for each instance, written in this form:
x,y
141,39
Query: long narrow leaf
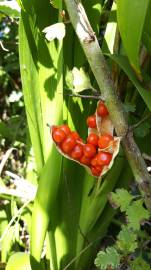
x,y
122,61
131,17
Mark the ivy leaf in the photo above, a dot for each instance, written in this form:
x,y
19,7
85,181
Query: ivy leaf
x,y
139,264
107,258
121,198
136,213
126,240
128,107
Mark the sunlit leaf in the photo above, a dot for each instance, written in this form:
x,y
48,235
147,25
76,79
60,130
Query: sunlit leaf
x,y
19,261
55,3
81,80
131,17
110,32
10,8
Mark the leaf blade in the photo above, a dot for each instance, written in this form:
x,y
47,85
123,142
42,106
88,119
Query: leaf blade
x,y
131,17
122,61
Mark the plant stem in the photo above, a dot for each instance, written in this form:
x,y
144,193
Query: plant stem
x,y
102,75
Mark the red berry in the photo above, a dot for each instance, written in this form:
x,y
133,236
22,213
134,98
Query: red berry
x,y
89,150
96,171
75,135
80,141
68,144
104,141
65,128
77,152
91,121
58,135
102,109
104,158
93,139
53,128
85,160
94,161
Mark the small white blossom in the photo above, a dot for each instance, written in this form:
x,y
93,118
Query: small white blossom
x,y
15,96
53,31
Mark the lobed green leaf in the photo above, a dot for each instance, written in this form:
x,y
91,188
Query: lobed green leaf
x,y
136,213
139,264
126,240
121,198
107,258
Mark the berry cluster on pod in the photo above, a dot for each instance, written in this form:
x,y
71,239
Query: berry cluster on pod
x,y
97,154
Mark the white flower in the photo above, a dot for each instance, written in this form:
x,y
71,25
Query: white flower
x,y
15,96
53,31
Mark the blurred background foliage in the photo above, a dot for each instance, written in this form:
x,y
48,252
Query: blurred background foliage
x,y
15,144
16,154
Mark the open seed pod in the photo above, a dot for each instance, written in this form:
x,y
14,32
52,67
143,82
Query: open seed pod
x,y
98,154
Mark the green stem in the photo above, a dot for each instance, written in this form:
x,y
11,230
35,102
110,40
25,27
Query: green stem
x,y
101,72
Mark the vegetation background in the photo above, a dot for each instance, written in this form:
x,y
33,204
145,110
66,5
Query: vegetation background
x,y
75,221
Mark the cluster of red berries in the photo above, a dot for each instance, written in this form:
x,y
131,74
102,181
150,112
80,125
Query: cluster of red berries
x,y
93,153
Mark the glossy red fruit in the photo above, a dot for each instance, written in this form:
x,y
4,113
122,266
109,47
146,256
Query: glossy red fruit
x,y
65,128
53,128
93,139
96,171
80,141
91,121
102,109
85,160
58,135
68,144
89,150
105,140
104,158
75,135
94,161
77,152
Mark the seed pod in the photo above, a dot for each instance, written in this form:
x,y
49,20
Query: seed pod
x,y
98,154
